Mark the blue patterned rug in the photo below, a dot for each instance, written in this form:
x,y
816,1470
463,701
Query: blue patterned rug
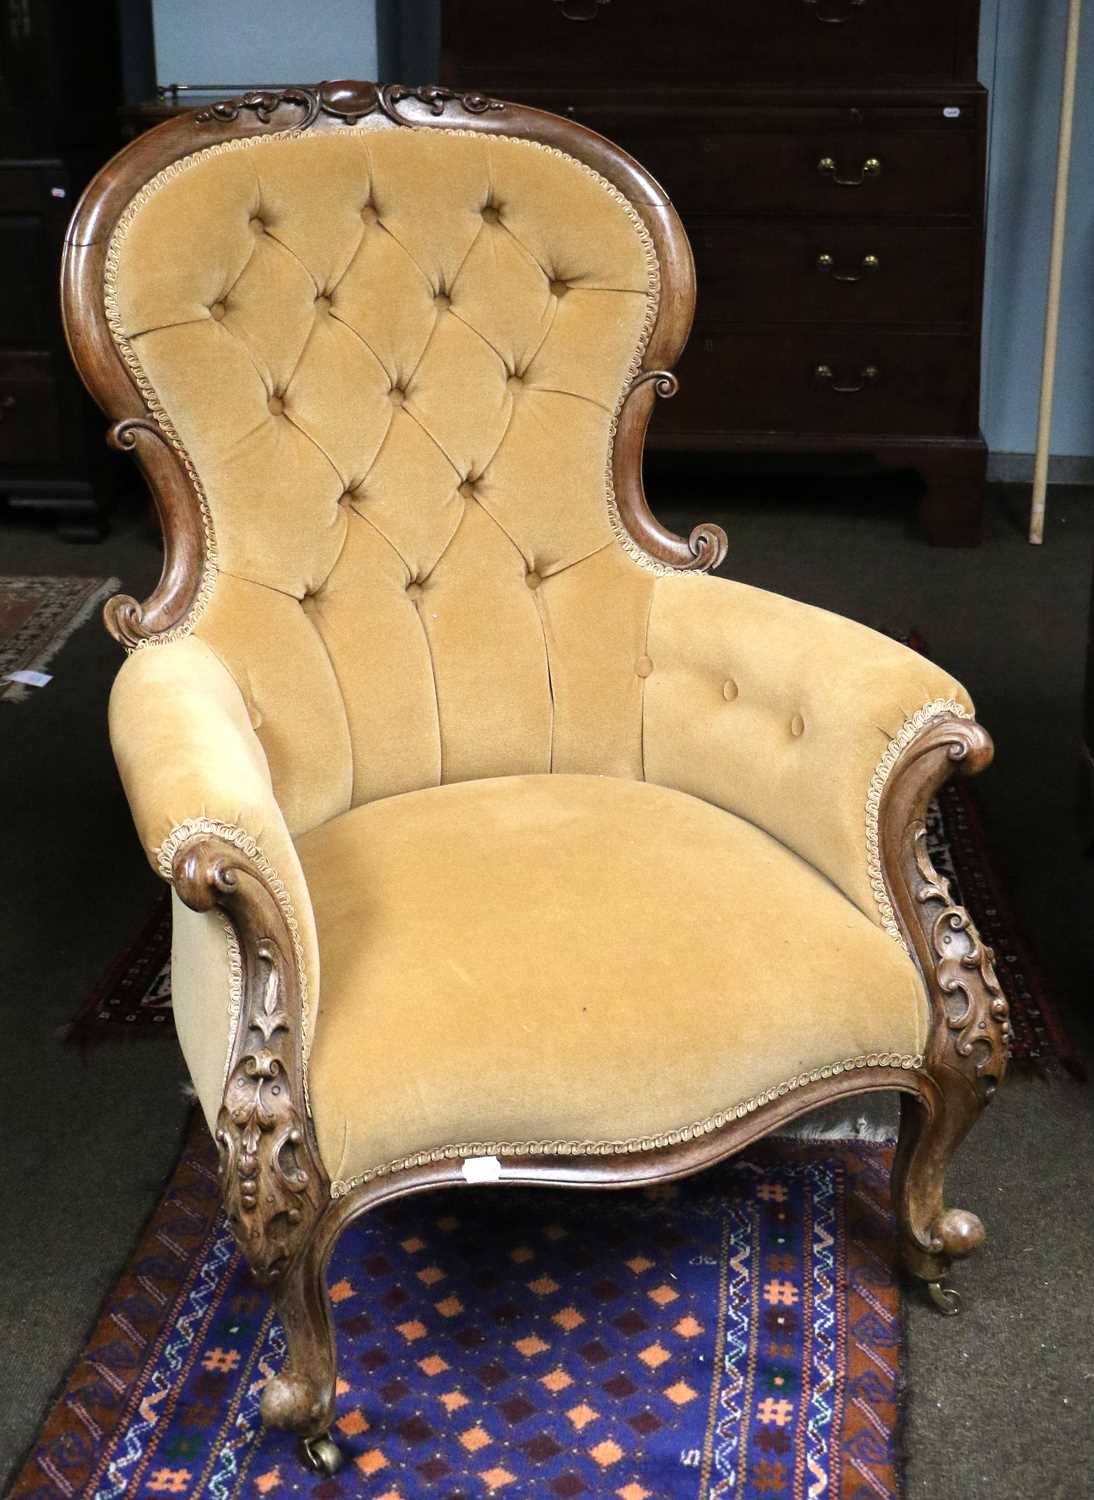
x,y
738,1335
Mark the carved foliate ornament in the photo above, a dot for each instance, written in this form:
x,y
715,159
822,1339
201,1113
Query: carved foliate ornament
x,y
273,1182
270,1189
977,1015
346,99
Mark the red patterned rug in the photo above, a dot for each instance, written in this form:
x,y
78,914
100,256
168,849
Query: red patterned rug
x,y
37,616
134,995
734,1337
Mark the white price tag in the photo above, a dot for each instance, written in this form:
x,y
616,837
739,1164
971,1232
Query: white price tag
x,y
32,679
482,1169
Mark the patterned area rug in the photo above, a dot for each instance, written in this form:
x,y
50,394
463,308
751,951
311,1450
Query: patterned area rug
x,y
37,616
735,1335
134,995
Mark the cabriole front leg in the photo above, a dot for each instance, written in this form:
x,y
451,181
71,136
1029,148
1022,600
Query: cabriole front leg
x,y
275,1189
932,1235
300,1398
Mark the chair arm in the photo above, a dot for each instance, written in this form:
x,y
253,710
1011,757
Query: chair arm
x,y
788,716
203,802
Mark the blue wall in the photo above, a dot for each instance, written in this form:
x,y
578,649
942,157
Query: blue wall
x,y
1021,60
264,41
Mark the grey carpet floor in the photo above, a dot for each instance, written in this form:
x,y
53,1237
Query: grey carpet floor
x,y
1001,1400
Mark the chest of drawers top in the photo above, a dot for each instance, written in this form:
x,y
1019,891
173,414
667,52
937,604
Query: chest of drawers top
x,y
718,43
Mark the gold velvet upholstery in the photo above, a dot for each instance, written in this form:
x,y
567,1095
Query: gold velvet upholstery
x,y
575,848
576,959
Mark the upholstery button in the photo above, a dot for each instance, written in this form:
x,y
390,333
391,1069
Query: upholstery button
x,y
442,300
643,666
532,579
217,311
398,395
797,726
729,690
413,590
559,288
515,380
369,214
258,225
276,405
467,489
490,214
322,302
347,497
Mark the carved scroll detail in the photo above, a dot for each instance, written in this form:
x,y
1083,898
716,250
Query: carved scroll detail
x,y
188,562
707,544
970,1025
271,1176
436,98
977,1015
664,382
263,104
348,100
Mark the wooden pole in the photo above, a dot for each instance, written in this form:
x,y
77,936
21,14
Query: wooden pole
x,y
1055,276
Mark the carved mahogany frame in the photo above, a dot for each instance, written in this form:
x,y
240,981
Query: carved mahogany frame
x,y
276,1189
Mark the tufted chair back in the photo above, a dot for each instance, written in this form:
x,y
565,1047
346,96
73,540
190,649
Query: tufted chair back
x,y
394,362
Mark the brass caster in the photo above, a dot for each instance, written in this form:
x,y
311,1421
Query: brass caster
x,y
944,1298
321,1454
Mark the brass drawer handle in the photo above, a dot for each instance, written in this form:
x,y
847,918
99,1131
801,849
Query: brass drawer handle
x,y
826,265
588,10
870,375
870,168
833,16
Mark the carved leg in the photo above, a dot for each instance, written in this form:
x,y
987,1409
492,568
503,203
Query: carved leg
x,y
301,1397
931,1129
968,1032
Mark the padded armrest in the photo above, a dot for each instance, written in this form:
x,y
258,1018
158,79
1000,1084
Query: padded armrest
x,y
187,754
780,713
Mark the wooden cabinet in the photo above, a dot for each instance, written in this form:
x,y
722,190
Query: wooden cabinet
x,y
828,158
59,90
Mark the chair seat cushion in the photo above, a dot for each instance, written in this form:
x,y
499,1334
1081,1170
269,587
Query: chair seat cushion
x,y
575,959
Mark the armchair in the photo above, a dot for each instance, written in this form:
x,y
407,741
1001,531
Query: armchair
x,y
505,845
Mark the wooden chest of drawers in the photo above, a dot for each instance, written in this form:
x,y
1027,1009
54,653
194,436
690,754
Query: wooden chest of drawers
x,y
827,157
51,450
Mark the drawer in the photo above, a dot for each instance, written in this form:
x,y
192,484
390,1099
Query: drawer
x,y
30,426
880,273
809,167
31,186
765,379
30,261
497,41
